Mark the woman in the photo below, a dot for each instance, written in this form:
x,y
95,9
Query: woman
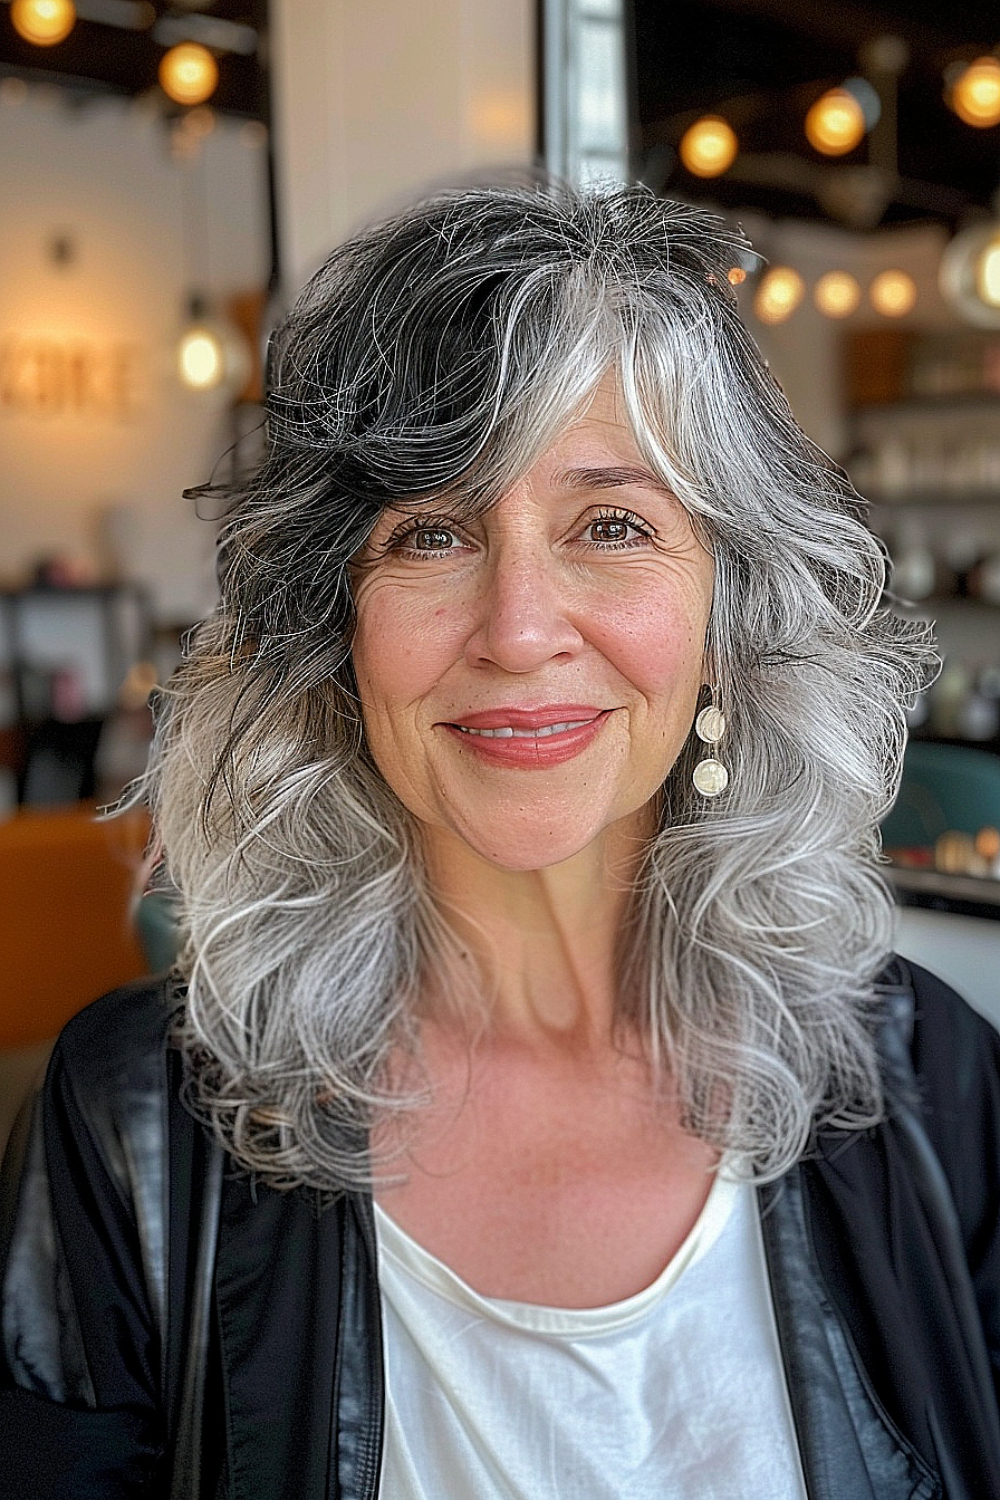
x,y
521,798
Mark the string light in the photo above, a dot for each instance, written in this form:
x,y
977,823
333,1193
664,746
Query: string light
x,y
780,291
988,273
835,123
200,359
836,294
709,146
736,276
893,293
43,22
188,73
969,275
975,96
212,354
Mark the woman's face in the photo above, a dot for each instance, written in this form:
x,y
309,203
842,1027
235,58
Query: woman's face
x,y
528,679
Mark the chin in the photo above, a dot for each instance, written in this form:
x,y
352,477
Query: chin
x,y
522,845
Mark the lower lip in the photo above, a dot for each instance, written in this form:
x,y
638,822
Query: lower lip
x,y
531,752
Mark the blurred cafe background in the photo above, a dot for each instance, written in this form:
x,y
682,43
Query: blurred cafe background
x,y
170,172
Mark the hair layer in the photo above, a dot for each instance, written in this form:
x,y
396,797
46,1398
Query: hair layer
x,y
443,350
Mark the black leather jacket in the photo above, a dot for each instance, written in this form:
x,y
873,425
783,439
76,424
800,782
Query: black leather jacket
x,y
172,1329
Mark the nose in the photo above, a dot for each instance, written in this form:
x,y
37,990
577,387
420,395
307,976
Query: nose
x,y
525,613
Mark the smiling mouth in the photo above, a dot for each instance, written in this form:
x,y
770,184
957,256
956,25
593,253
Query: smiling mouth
x,y
523,745
508,732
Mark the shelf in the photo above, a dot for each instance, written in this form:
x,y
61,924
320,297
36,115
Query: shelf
x,y
948,403
934,603
969,895
934,499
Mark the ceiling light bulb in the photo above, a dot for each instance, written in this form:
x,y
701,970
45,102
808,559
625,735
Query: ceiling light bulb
x,y
970,274
835,123
893,293
779,294
975,98
837,294
709,146
201,359
988,273
189,73
43,22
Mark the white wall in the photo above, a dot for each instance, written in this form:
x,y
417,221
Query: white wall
x,y
804,351
103,177
375,102
965,951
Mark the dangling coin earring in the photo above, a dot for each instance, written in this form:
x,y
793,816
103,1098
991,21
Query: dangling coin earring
x,y
710,775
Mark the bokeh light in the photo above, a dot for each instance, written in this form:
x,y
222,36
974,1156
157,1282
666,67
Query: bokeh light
x,y
709,146
836,294
836,123
43,22
189,73
200,359
975,97
780,291
893,293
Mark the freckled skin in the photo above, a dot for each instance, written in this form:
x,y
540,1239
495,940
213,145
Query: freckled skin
x,y
553,1165
549,598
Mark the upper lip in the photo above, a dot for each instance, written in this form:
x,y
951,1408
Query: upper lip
x,y
529,718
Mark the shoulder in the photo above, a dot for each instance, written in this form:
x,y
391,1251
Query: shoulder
x,y
123,1030
956,1065
110,1074
955,1050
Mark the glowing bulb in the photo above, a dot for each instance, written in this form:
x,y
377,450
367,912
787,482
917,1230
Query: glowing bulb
x,y
188,73
988,273
975,97
835,123
709,146
736,276
837,294
893,293
779,294
43,22
201,359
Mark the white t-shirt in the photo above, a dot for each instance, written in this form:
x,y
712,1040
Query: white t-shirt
x,y
677,1393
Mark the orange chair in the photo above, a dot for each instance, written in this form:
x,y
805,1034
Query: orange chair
x,y
66,934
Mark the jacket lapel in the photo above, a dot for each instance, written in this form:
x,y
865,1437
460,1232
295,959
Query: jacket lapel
x,y
278,1304
849,1449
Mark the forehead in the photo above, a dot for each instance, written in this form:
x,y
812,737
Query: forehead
x,y
598,439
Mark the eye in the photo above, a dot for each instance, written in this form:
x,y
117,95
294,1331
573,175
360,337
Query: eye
x,y
613,530
431,539
430,536
609,531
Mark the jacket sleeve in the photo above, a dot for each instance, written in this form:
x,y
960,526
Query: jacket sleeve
x,y
80,1412
956,1057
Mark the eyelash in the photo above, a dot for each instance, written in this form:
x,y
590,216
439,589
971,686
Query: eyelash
x,y
409,529
626,518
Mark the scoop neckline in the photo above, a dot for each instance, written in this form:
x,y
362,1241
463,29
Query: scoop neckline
x,y
399,1251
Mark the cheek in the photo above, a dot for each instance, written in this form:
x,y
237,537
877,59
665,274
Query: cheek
x,y
659,649
400,649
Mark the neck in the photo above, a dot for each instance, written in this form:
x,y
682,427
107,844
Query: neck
x,y
544,944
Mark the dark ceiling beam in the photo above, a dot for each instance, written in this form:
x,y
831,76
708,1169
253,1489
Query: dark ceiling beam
x,y
844,24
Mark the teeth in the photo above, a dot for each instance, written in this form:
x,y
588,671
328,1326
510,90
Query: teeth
x,y
507,733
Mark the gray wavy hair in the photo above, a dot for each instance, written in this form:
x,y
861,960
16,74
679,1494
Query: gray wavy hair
x,y
443,350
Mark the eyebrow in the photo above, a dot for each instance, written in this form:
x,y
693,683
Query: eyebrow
x,y
609,478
